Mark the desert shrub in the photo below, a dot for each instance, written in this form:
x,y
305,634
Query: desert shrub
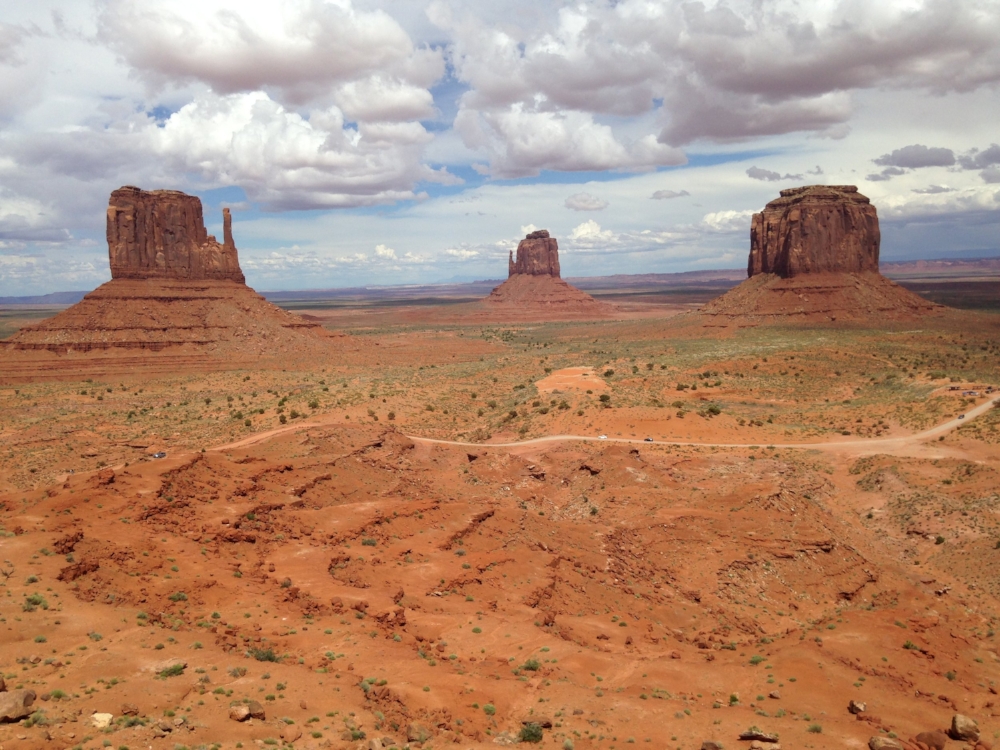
x,y
489,709
532,665
172,671
178,596
530,733
262,654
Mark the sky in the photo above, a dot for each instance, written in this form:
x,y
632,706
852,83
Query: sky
x,y
367,143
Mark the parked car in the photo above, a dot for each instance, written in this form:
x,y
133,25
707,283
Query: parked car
x,y
647,440
961,416
602,437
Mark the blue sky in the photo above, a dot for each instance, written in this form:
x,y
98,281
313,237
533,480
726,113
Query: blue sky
x,y
363,142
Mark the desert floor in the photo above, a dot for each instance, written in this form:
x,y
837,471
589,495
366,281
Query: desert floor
x,y
797,536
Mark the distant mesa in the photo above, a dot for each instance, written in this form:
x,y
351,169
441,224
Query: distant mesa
x,y
534,289
814,256
177,299
537,255
160,234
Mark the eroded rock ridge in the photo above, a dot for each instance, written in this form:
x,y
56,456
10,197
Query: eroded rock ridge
x,y
161,234
815,229
537,255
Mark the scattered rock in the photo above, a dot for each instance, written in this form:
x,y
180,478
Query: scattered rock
x,y
417,733
129,709
101,720
756,734
935,740
774,694
856,707
965,729
16,704
885,743
239,712
711,745
543,721
374,744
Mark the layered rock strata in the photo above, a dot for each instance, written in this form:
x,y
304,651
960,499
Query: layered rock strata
x,y
814,258
534,288
815,229
161,234
177,300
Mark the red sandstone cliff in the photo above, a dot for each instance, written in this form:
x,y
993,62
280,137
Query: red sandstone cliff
x,y
537,255
815,229
161,234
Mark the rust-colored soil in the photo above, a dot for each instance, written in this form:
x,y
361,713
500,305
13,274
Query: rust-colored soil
x,y
526,296
324,559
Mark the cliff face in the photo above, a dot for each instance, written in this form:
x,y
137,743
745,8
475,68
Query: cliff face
x,y
537,255
815,229
161,234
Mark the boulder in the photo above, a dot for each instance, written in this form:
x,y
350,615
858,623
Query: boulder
x,y
711,745
537,255
856,707
3,685
129,709
239,712
291,732
935,740
16,704
101,720
965,729
885,743
161,234
256,710
756,734
815,229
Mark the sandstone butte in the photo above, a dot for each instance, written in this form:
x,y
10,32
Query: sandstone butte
x,y
814,257
177,299
534,285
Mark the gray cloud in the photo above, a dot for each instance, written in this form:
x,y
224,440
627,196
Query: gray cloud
x,y
585,202
766,175
976,159
886,174
663,195
917,156
933,190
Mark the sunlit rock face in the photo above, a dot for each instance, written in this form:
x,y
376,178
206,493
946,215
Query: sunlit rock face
x,y
161,234
815,229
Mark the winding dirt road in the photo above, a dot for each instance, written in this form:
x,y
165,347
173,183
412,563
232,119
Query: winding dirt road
x,y
887,444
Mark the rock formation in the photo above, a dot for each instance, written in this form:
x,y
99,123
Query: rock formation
x,y
814,257
177,299
537,255
161,234
815,229
534,289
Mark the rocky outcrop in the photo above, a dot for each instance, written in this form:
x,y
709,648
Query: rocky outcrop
x,y
815,229
161,234
814,258
537,255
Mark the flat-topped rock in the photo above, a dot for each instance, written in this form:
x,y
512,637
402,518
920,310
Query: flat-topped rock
x,y
161,234
537,255
815,229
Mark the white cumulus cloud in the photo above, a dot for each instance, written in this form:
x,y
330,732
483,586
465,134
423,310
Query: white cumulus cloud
x,y
585,202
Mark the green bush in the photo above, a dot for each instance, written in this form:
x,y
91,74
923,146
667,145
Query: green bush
x,y
530,733
489,709
262,654
172,671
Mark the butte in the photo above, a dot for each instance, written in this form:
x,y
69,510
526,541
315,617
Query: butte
x,y
814,258
177,299
534,288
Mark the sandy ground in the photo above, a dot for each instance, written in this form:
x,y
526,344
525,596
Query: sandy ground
x,y
481,559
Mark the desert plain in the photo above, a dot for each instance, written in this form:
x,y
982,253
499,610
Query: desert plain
x,y
627,519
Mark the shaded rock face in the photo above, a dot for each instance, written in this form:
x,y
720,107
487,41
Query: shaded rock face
x,y
161,234
537,255
815,229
